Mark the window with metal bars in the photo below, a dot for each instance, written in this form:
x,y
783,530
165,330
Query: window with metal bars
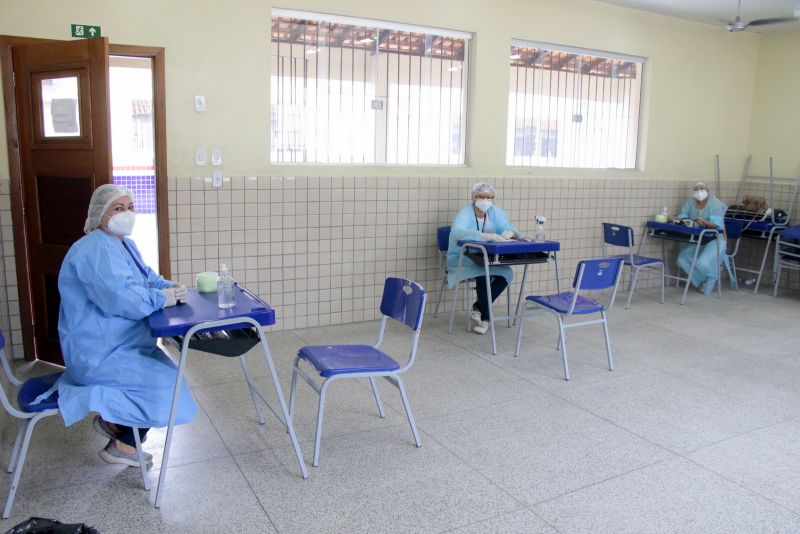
x,y
571,107
356,91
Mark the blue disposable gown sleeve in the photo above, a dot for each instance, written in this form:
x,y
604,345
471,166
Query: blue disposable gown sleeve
x,y
501,222
112,285
717,213
153,279
686,209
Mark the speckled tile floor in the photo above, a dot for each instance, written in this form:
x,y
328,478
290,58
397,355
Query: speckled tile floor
x,y
696,430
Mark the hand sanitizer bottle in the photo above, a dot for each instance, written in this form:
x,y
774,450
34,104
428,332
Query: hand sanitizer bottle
x,y
538,235
226,294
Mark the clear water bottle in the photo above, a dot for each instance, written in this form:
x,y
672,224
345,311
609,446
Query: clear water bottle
x,y
538,234
226,294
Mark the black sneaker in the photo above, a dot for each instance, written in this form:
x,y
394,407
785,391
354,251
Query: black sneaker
x,y
112,455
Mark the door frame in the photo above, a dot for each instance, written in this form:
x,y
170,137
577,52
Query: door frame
x,y
22,261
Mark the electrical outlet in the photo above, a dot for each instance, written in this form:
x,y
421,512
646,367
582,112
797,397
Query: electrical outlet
x,y
199,103
200,157
216,179
216,157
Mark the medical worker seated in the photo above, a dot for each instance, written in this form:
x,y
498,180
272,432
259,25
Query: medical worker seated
x,y
480,220
709,212
113,365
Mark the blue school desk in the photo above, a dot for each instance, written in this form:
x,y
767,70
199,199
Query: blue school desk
x,y
682,234
515,252
201,325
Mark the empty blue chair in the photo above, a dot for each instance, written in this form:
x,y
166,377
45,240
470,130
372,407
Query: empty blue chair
x,y
31,412
442,243
619,235
591,275
403,301
787,253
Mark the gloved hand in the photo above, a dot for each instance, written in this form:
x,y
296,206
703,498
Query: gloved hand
x,y
509,234
492,237
172,299
180,291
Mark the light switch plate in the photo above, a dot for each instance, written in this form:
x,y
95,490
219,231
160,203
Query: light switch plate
x,y
199,103
216,179
216,157
200,157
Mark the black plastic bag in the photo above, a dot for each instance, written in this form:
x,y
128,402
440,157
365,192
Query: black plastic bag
x,y
39,525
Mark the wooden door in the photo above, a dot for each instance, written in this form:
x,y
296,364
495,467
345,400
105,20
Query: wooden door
x,y
61,93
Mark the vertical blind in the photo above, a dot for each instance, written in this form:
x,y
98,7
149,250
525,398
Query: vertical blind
x,y
353,91
571,107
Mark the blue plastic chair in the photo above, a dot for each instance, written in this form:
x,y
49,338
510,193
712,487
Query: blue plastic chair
x,y
591,275
619,235
403,301
31,412
787,253
442,243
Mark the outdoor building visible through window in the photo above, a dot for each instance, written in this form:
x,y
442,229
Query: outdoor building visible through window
x,y
356,91
570,107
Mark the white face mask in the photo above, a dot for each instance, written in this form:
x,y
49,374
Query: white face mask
x,y
700,195
122,223
483,204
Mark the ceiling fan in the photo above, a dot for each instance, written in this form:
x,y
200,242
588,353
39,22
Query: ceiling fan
x,y
738,25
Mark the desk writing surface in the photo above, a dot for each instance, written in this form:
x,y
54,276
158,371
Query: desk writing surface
x,y
793,232
515,246
677,228
200,307
758,226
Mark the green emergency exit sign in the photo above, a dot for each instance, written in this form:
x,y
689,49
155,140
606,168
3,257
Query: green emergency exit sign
x,y
85,31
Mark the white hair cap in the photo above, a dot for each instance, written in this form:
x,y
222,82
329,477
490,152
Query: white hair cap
x,y
701,182
102,198
483,187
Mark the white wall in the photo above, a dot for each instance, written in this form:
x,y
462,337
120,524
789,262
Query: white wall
x,y
695,75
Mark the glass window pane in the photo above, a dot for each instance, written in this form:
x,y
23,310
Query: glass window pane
x,y
60,109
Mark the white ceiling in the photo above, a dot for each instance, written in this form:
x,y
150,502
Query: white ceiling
x,y
716,12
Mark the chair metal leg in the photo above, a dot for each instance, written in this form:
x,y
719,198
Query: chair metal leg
x,y
293,387
777,280
453,309
563,343
377,396
20,432
663,282
408,410
608,341
441,295
467,309
634,276
320,413
250,388
140,453
23,452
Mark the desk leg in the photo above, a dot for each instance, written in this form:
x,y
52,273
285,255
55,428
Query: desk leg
x,y
764,262
251,387
521,293
455,292
691,269
719,266
279,392
558,274
491,304
162,477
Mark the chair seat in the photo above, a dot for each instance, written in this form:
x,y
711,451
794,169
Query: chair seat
x,y
334,360
638,260
560,303
34,387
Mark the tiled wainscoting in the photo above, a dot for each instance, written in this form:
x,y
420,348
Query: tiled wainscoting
x,y
319,248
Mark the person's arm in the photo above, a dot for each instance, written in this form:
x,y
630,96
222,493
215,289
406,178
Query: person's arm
x,y
463,226
716,217
112,286
502,224
155,280
686,209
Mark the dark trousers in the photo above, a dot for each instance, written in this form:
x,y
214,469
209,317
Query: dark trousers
x,y
125,434
498,285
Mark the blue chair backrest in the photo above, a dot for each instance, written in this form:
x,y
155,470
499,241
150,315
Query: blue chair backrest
x,y
618,235
597,274
734,228
404,301
443,238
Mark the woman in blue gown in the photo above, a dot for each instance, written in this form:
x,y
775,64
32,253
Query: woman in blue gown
x,y
480,220
709,212
113,365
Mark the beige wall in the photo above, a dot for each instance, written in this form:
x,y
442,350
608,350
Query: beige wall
x,y
775,127
695,75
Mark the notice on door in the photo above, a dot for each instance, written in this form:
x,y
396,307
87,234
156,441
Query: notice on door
x,y
64,114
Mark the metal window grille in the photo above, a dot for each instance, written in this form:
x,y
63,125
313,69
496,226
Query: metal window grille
x,y
571,107
353,91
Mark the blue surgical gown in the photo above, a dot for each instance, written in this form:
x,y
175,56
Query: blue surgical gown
x,y
465,226
706,270
113,365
